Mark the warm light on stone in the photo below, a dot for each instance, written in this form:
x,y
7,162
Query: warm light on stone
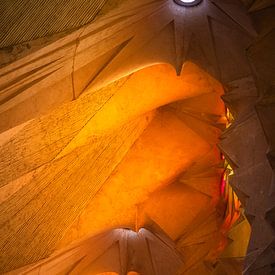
x,y
137,137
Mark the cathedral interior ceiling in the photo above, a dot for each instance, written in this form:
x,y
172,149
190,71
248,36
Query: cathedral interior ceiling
x,y
111,98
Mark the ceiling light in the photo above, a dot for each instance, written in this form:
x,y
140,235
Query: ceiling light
x,y
188,3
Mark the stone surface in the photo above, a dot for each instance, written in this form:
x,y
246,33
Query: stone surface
x,y
54,100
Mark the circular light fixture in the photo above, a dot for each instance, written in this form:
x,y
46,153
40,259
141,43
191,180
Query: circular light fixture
x,y
187,3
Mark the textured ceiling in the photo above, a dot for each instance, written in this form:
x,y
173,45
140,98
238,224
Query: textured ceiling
x,y
51,106
74,169
107,49
24,20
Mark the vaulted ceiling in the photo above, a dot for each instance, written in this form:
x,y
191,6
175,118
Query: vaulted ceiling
x,y
110,116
